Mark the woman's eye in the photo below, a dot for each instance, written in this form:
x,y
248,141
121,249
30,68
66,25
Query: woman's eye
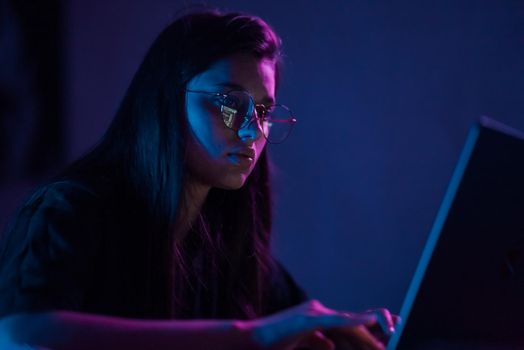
x,y
230,101
262,113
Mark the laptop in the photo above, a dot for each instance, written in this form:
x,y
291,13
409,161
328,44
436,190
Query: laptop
x,y
468,289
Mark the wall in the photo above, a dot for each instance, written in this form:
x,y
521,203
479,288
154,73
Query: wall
x,y
384,93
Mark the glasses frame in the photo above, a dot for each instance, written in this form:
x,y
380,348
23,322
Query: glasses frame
x,y
228,113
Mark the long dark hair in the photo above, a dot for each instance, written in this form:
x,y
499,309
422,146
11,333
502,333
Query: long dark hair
x,y
222,268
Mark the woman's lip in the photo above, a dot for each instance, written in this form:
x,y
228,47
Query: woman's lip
x,y
241,155
241,159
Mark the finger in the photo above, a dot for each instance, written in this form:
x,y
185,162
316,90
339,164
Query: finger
x,y
362,337
396,320
385,320
343,341
317,341
345,319
301,324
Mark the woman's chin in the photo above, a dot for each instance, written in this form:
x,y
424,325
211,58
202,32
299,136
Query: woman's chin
x,y
233,183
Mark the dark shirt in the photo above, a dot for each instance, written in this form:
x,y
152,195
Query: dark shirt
x,y
64,251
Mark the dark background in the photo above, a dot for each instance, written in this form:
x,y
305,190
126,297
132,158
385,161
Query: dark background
x,y
384,91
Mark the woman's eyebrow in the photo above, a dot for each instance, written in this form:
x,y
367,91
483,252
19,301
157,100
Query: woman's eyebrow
x,y
234,86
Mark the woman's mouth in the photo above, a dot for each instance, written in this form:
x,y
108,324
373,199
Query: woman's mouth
x,y
241,160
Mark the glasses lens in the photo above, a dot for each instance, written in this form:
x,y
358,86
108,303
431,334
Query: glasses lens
x,y
239,107
277,123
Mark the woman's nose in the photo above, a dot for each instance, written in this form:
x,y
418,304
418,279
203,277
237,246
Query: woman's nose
x,y
250,131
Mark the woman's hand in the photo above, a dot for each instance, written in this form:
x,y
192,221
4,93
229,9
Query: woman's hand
x,y
313,326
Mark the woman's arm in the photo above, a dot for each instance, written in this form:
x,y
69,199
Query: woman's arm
x,y
291,328
58,330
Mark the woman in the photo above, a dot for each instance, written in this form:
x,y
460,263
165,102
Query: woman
x,y
159,237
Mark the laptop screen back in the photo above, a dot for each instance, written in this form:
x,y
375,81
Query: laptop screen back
x,y
468,290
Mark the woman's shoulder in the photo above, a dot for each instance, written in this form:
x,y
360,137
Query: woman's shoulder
x,y
64,194
62,189
58,202
93,191
48,248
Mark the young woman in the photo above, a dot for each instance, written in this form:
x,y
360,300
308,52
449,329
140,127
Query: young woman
x,y
159,237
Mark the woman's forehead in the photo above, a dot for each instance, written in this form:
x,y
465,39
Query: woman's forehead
x,y
239,72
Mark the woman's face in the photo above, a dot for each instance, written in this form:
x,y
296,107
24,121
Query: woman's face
x,y
217,155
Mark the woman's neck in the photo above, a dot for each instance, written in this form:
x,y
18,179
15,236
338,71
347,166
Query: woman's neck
x,y
194,195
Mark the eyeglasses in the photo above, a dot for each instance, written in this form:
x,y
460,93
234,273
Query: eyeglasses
x,y
239,110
